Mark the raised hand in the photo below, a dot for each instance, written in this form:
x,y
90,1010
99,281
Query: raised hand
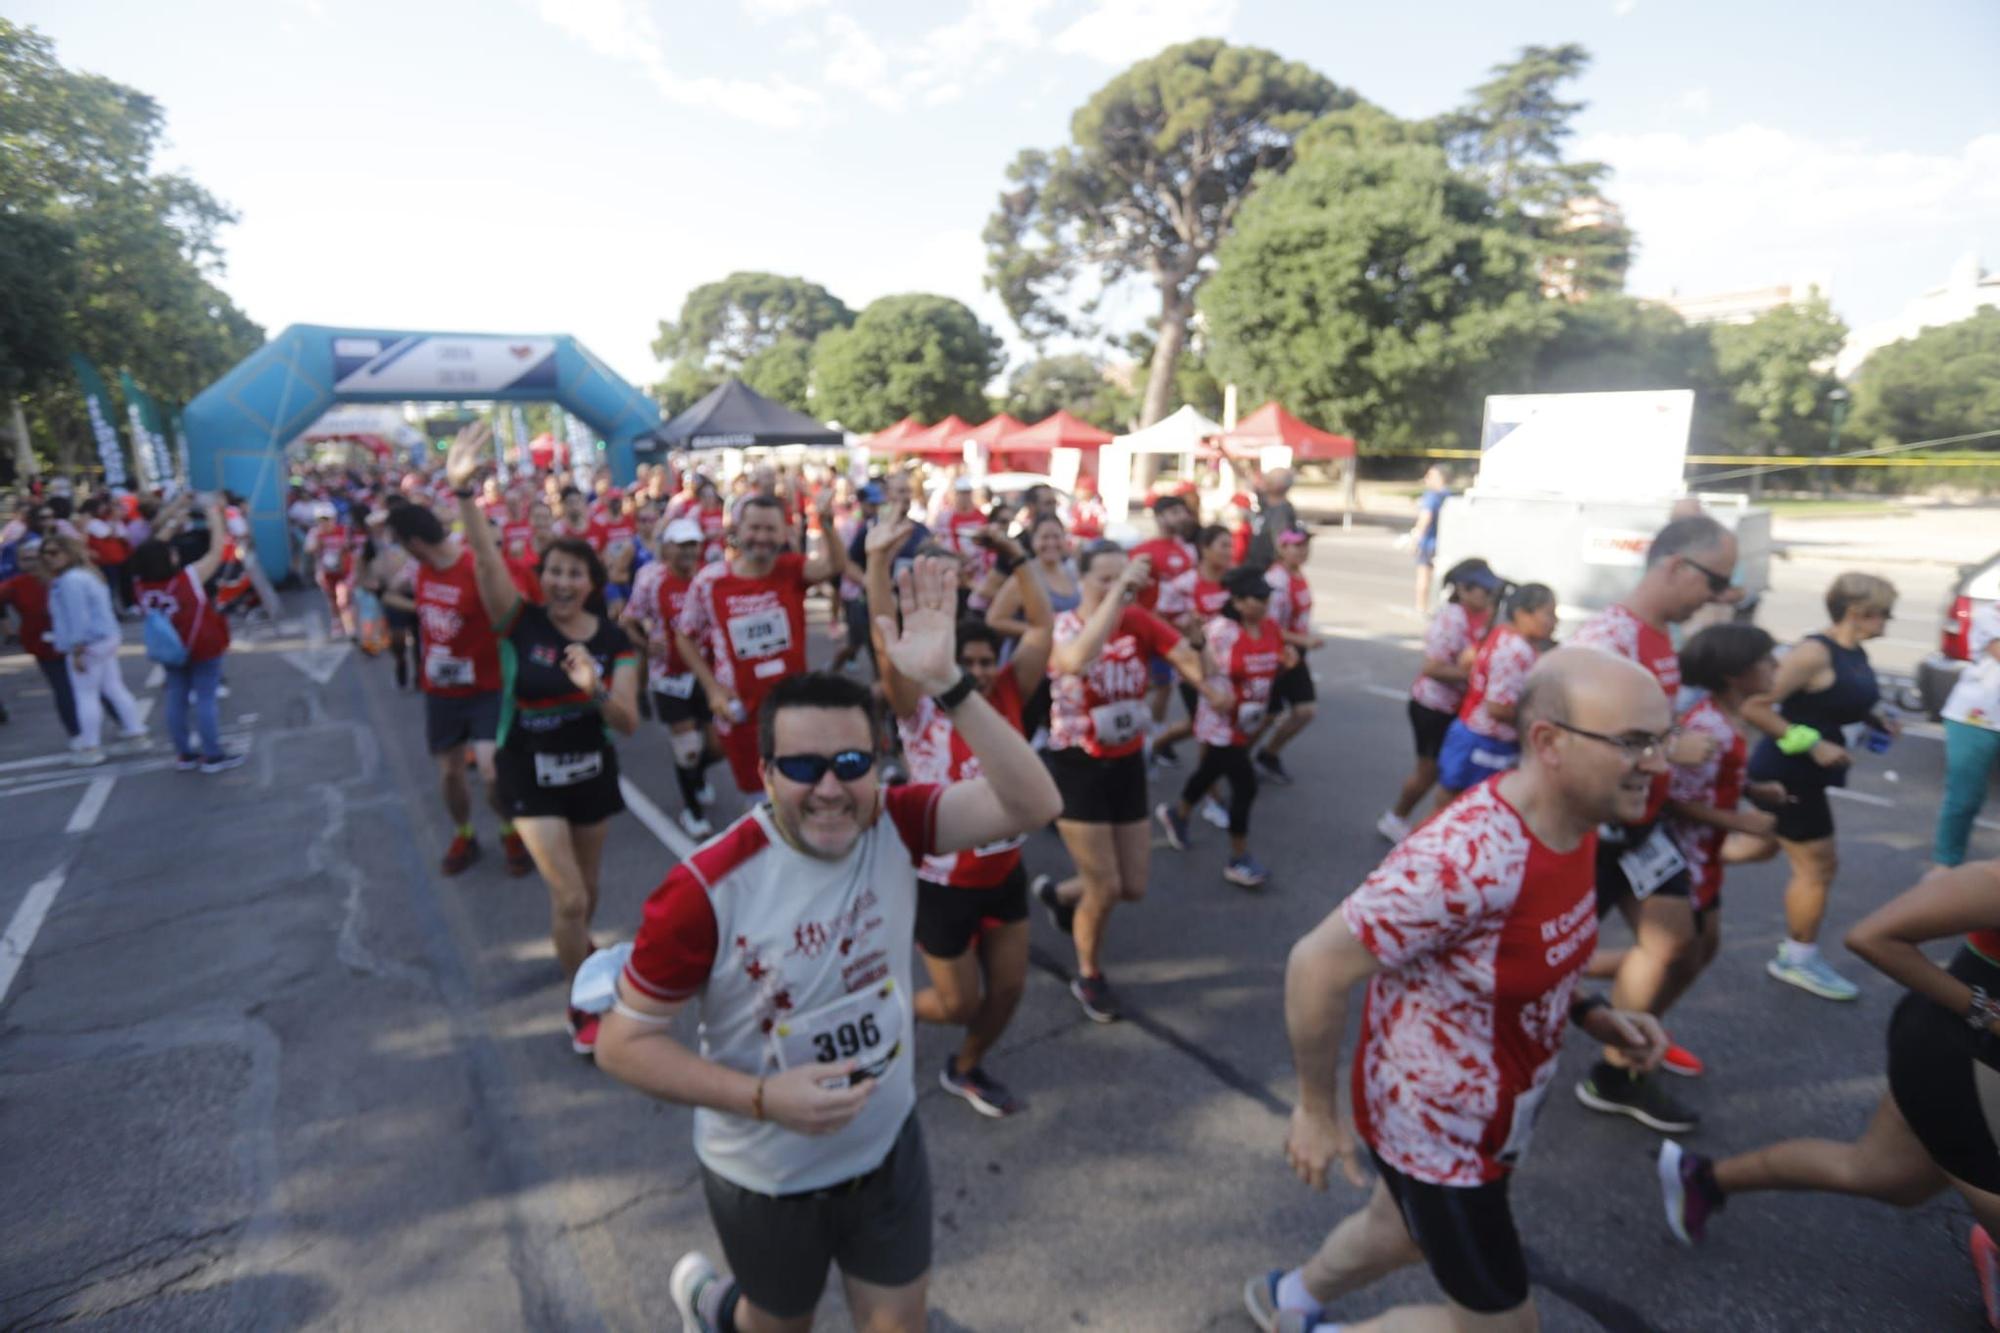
x,y
924,648
581,668
887,536
467,455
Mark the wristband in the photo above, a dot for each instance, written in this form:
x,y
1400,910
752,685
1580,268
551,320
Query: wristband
x,y
757,1101
1798,739
1007,564
464,494
1983,1010
959,692
1581,1009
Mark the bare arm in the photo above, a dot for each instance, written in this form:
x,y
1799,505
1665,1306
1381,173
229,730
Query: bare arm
x,y
496,587
883,540
1324,966
1795,673
1031,654
1075,656
1005,612
218,532
831,562
1944,904
1754,822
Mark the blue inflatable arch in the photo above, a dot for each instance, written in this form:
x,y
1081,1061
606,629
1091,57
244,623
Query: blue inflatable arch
x,y
238,427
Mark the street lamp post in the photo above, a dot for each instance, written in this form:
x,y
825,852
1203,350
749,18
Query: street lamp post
x,y
1837,400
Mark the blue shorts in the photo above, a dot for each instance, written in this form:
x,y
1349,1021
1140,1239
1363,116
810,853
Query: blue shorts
x,y
1469,758
1162,671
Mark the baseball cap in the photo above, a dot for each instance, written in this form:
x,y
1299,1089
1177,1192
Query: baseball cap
x,y
1475,573
871,493
1293,537
682,531
962,484
1243,581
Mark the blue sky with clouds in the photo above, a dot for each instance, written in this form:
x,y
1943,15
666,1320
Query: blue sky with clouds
x,y
578,165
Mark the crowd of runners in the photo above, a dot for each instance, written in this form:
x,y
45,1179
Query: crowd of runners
x,y
1001,664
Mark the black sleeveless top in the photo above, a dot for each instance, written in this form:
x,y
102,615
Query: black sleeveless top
x,y
1851,698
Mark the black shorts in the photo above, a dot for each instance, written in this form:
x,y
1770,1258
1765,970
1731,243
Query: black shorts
x,y
1612,885
399,619
1808,815
590,800
1190,698
673,709
1294,686
1946,1079
877,1227
1100,791
1468,1238
858,626
949,918
1428,725
454,720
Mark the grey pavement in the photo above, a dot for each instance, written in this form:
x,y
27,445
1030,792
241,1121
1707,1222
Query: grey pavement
x,y
262,1067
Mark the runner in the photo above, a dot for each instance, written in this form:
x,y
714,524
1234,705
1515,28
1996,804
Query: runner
x,y
84,628
977,897
1454,632
161,583
1639,869
1243,652
333,547
792,931
1188,601
1471,936
27,593
571,677
678,699
1933,1128
1169,554
1482,739
1097,735
1824,686
1293,691
458,669
742,628
1971,736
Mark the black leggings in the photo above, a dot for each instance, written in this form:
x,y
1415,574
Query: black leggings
x,y
1232,762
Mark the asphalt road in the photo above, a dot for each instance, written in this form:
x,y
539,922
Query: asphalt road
x,y
262,1067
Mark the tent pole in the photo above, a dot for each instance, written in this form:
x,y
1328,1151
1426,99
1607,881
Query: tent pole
x,y
1347,497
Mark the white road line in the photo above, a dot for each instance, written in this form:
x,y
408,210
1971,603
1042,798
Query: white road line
x,y
1988,824
1861,796
1385,692
27,923
655,819
92,805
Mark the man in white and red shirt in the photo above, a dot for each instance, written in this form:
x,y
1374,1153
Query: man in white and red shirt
x,y
1293,691
791,931
957,524
458,666
1640,869
742,628
1471,936
659,592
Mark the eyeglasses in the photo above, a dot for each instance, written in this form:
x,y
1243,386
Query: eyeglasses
x,y
1637,749
1717,583
808,769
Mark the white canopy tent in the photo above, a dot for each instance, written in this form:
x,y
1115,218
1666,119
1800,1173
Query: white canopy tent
x,y
1186,435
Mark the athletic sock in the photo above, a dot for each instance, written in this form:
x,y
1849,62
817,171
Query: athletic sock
x,y
720,1298
465,830
1794,954
1292,1295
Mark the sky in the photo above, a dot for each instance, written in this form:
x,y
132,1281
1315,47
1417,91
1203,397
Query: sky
x,y
576,166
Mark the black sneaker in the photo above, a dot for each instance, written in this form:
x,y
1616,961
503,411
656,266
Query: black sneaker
x,y
1619,1092
1061,914
984,1094
1274,768
1094,994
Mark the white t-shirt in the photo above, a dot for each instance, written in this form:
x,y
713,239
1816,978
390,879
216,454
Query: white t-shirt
x,y
1975,700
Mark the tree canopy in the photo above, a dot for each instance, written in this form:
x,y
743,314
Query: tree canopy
x,y
1160,161
1072,381
758,326
1942,383
1779,371
915,354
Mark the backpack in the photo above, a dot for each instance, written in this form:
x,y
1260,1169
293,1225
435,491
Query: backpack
x,y
163,641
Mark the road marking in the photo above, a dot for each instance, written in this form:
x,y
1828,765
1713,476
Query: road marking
x,y
27,923
670,834
1862,797
1988,824
92,805
1385,692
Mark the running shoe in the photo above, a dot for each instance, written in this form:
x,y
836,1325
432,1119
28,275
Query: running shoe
x,y
1813,975
1260,1298
519,863
1246,872
222,691
131,742
1680,1060
1986,1262
1616,1092
983,1093
1062,915
462,853
187,763
1165,756
1094,994
583,1032
1212,811
706,793
1392,826
1687,1186
695,826
1172,825
89,757
698,1292
1274,768
222,763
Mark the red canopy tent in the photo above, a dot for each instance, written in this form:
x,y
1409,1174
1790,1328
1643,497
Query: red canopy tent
x,y
1272,424
994,431
883,441
943,442
1059,430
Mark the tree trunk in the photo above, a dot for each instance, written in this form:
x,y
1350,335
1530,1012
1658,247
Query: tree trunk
x,y
1166,355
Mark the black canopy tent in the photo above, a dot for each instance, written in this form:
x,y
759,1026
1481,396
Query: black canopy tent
x,y
735,416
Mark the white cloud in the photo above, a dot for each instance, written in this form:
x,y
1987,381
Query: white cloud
x,y
624,30
1695,101
936,67
763,11
1621,8
1118,32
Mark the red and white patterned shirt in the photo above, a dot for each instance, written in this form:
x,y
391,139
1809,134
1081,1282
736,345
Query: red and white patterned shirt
x,y
1188,593
938,755
1498,674
1482,932
1718,782
1291,599
754,629
1248,663
1616,630
1451,631
1103,709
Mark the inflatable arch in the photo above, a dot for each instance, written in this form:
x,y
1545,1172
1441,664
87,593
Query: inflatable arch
x,y
238,427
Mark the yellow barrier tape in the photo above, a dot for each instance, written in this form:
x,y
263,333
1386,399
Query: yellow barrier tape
x,y
1786,460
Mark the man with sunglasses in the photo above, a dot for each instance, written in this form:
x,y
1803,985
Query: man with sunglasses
x,y
1472,936
793,930
1640,871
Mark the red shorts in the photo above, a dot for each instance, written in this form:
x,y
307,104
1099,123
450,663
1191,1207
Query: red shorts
x,y
739,744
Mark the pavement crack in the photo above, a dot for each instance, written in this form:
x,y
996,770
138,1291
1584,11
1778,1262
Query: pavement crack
x,y
673,1187
95,1275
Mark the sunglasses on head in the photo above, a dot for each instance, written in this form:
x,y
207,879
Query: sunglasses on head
x,y
808,769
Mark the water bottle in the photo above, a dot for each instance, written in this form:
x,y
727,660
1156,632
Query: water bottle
x,y
596,982
1879,737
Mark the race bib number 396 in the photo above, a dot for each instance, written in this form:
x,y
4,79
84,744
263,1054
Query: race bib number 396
x,y
865,1026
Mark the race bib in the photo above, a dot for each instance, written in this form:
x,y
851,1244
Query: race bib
x,y
566,770
1652,863
760,633
1250,715
864,1025
329,560
676,687
1119,723
446,671
1527,1107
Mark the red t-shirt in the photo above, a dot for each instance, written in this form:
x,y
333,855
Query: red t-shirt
x,y
1191,594
517,540
1616,630
1498,673
460,656
714,529
1249,663
669,597
200,626
1171,558
755,628
1718,782
337,547
958,530
29,597
939,755
1104,709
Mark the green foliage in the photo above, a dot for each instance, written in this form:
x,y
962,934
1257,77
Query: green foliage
x,y
1073,381
758,326
1615,343
686,384
1159,162
1778,371
38,275
1942,383
1373,292
915,354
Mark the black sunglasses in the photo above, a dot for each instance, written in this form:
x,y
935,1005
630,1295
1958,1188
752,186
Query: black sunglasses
x,y
808,769
1717,583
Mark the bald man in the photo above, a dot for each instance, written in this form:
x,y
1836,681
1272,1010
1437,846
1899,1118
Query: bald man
x,y
1471,936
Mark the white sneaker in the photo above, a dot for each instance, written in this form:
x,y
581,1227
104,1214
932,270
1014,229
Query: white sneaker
x,y
1392,827
132,742
1212,811
706,794
697,1290
695,826
87,758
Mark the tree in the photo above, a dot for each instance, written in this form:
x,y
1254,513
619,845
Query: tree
x,y
1374,292
916,354
687,383
1161,160
1614,343
38,274
757,326
1778,368
1075,382
1942,383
